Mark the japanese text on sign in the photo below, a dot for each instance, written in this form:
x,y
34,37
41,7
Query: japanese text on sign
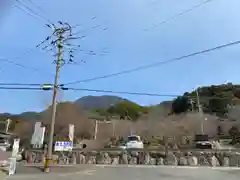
x,y
63,146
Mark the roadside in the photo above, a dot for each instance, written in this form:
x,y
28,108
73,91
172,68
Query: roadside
x,y
135,172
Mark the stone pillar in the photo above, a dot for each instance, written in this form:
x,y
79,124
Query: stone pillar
x,y
124,158
74,159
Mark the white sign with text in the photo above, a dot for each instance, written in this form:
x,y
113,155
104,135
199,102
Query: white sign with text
x,y
63,146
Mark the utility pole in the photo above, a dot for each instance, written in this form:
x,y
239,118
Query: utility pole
x,y
8,125
192,107
200,112
54,106
114,127
131,121
60,36
96,129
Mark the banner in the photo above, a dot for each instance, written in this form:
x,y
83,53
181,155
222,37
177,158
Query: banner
x,y
12,166
38,135
15,148
71,132
41,136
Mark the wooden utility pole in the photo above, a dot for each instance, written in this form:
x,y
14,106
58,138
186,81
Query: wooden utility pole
x,y
113,127
96,129
54,104
60,35
200,112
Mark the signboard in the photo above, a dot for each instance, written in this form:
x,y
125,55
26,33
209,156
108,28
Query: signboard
x,y
15,148
12,166
63,146
71,132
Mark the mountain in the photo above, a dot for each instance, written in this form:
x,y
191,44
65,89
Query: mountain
x,y
98,102
215,99
220,104
83,104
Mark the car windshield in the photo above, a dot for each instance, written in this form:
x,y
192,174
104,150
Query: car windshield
x,y
133,138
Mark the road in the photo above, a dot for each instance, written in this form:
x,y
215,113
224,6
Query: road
x,y
134,173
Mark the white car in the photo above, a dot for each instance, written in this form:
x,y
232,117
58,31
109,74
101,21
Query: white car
x,y
134,141
204,144
4,144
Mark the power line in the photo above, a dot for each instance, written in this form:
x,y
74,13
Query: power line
x,y
179,14
36,6
155,64
39,15
23,66
121,92
142,94
50,87
23,55
20,88
23,10
21,84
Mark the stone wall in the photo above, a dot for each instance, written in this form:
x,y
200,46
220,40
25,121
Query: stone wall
x,y
190,158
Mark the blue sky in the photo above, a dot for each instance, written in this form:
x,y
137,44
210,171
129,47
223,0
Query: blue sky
x,y
128,44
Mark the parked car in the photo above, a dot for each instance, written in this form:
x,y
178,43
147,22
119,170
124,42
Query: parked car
x,y
4,144
134,141
202,142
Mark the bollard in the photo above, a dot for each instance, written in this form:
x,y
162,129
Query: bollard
x,y
43,159
54,159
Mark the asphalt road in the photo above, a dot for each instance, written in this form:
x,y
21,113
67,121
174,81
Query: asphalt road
x,y
133,173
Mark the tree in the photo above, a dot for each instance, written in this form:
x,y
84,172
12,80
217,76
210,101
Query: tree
x,y
219,105
237,93
180,105
127,109
102,112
